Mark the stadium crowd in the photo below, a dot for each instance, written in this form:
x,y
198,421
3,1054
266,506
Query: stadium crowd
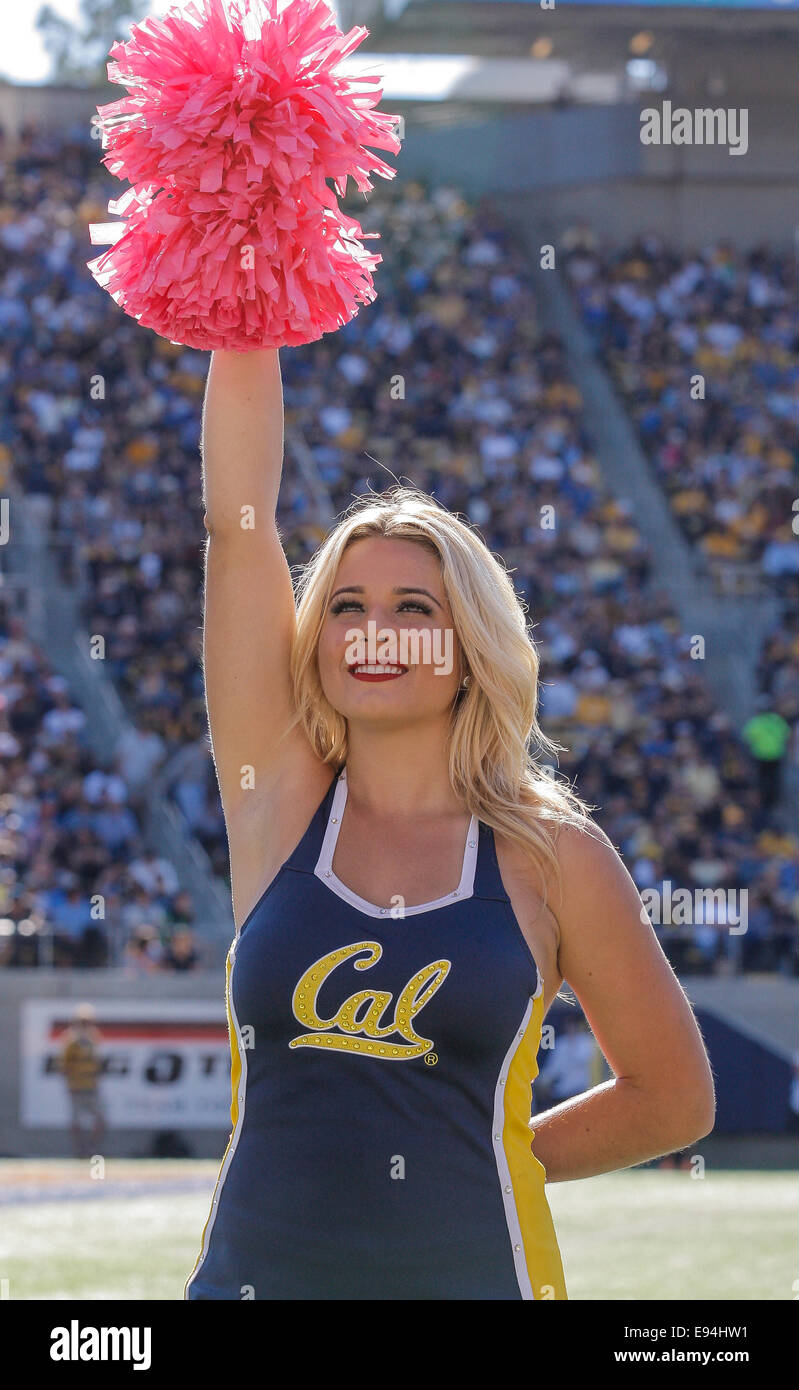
x,y
77,884
704,346
446,383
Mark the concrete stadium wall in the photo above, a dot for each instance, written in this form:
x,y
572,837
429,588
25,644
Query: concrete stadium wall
x,y
686,215
576,163
53,107
587,165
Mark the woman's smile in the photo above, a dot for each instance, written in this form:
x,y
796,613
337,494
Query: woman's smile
x,y
363,671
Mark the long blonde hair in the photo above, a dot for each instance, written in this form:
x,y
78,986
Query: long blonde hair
x,y
491,765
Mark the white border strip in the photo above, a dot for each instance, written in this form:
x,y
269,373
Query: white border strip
x,y
324,865
236,1133
511,1214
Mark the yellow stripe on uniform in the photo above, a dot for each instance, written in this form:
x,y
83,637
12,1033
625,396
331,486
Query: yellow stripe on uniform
x,y
236,1112
534,1245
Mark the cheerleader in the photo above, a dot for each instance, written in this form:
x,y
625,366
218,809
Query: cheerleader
x,y
409,889
410,892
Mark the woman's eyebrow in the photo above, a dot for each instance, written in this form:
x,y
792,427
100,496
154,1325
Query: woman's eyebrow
x,y
350,589
426,592
359,589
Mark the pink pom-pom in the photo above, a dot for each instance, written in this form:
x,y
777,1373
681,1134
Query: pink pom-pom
x,y
200,279
236,118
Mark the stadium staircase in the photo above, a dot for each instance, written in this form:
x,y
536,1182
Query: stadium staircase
x,y
729,662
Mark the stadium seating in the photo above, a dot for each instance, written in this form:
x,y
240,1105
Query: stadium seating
x,y
705,349
445,382
78,887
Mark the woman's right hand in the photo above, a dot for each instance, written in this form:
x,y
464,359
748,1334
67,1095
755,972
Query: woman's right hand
x,y
270,779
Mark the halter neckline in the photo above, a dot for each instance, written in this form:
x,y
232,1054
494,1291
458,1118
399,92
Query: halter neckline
x,y
324,865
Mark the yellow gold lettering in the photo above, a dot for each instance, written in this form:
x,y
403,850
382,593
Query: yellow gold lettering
x,y
418,992
345,1018
303,1001
409,1004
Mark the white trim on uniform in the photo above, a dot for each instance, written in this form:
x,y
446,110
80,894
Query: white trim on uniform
x,y
228,1159
324,865
506,1184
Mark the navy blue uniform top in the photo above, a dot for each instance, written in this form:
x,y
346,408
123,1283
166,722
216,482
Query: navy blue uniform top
x,y
382,1060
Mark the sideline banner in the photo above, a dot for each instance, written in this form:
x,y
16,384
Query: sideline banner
x,y
166,1064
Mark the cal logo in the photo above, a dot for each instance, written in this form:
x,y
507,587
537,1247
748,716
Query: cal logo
x,y
358,1026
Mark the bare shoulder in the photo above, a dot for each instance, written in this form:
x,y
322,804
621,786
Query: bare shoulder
x,y
577,837
583,847
602,922
582,850
585,886
559,906
592,877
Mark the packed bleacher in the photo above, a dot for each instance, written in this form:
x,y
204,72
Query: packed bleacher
x,y
78,886
778,666
704,347
445,382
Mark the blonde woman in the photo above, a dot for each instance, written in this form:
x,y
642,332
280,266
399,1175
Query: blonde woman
x,y
409,894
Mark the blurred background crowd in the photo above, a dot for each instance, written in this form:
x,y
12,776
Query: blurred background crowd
x,y
449,383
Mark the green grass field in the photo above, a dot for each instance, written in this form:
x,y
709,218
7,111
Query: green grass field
x,y
643,1234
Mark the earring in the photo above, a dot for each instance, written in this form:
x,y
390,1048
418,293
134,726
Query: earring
x,y
465,683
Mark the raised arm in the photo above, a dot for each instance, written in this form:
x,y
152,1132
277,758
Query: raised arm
x,y
249,615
